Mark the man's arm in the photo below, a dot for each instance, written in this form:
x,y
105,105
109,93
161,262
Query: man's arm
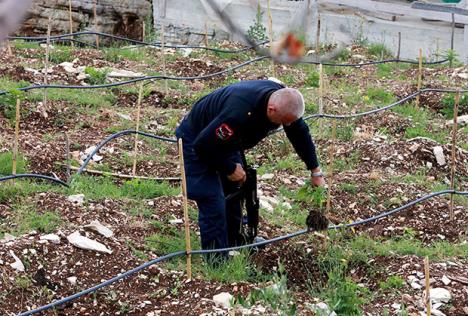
x,y
214,143
299,135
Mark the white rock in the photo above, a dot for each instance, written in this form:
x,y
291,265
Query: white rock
x,y
461,120
416,285
76,199
51,237
463,75
176,221
7,238
85,243
72,280
396,306
266,205
89,150
223,299
119,73
357,56
439,154
82,76
440,295
101,229
322,309
69,67
186,51
267,176
17,265
437,312
124,116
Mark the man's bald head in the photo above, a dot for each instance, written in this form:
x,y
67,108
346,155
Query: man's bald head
x,y
285,106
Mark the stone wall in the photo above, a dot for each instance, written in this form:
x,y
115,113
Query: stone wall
x,y
120,17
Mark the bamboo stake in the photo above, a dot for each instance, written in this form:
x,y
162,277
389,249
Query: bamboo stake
x,y
317,36
206,34
8,47
123,176
15,144
428,299
321,93
46,69
454,150
67,156
453,32
135,151
143,31
163,59
270,30
399,46
95,21
330,172
188,247
419,76
71,21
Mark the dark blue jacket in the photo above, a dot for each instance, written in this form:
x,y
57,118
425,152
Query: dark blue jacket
x,y
234,118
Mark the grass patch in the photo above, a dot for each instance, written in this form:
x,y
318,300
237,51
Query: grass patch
x,y
449,104
378,96
379,50
6,163
104,187
27,219
116,54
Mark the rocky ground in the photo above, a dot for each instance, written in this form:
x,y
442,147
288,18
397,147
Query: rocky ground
x,y
380,162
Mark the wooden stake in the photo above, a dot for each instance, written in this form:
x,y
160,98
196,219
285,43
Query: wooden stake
x,y
95,21
419,76
270,31
67,156
137,128
330,172
71,21
454,151
15,144
399,46
321,93
46,69
8,47
317,36
428,299
123,176
206,34
188,246
143,31
453,32
163,59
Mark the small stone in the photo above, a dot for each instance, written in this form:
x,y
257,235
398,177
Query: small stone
x,y
322,309
445,280
101,229
440,295
267,176
17,265
416,286
465,310
51,237
76,199
175,221
439,155
72,280
396,306
7,238
223,299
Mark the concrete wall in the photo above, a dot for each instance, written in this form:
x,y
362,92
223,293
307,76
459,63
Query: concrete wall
x,y
187,20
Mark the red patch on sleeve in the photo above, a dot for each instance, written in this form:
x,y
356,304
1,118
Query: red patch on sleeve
x,y
224,132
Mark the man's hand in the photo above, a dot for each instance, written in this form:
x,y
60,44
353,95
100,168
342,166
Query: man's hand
x,y
238,175
317,178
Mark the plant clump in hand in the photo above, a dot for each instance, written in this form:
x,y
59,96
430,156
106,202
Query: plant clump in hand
x,y
316,221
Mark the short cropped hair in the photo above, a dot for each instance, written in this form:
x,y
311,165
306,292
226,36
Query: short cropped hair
x,y
288,101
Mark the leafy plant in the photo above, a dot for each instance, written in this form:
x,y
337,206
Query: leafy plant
x,y
96,76
313,79
449,104
257,31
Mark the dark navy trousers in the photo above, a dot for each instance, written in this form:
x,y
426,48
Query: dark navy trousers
x,y
220,221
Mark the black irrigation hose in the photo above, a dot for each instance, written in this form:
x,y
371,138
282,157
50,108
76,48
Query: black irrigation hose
x,y
32,175
121,83
64,37
133,41
116,135
259,244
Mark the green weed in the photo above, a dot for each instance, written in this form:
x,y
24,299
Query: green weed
x,y
96,76
392,282
379,50
6,163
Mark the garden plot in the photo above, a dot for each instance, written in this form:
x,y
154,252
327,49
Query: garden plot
x,y
380,162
